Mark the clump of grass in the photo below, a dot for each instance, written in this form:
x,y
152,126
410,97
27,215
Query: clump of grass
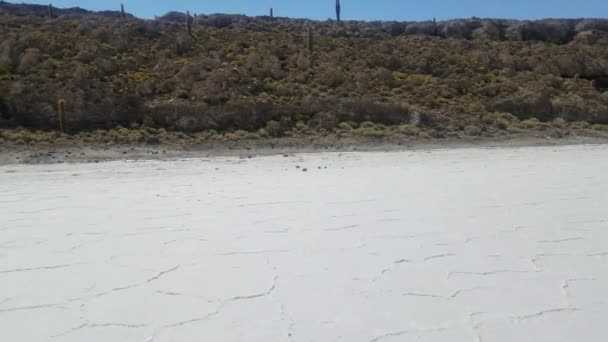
x,y
367,124
345,126
580,124
472,130
410,130
532,123
424,135
274,128
502,124
372,133
559,123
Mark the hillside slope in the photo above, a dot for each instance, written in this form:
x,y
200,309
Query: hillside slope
x,y
236,72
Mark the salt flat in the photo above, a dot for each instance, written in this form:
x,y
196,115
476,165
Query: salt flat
x,y
447,245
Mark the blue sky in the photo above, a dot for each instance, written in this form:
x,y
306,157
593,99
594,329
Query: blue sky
x,y
359,9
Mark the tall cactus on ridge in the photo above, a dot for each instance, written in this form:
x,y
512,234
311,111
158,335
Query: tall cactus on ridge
x,y
50,10
271,14
188,23
61,114
122,10
310,37
338,10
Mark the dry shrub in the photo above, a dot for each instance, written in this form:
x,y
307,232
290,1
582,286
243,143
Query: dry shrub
x,y
531,123
273,128
325,120
30,59
472,130
367,109
330,75
408,129
345,126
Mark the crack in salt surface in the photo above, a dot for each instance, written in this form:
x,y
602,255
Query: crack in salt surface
x,y
544,312
100,325
160,274
386,270
342,228
104,293
217,311
450,297
119,325
182,323
413,294
566,283
169,293
404,332
264,294
561,240
32,307
488,273
41,268
255,252
439,256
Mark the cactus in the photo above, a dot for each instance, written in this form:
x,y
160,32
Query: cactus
x,y
311,39
122,10
50,10
434,27
271,14
196,20
188,23
338,10
61,113
311,42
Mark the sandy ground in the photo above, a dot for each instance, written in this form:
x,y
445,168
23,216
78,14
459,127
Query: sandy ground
x,y
503,244
95,153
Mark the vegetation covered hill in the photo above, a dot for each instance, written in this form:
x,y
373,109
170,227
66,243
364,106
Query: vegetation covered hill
x,y
244,73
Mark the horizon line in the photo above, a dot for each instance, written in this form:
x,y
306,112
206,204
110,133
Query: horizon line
x,y
329,19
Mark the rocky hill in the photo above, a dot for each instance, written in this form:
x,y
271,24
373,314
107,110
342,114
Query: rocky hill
x,y
234,72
